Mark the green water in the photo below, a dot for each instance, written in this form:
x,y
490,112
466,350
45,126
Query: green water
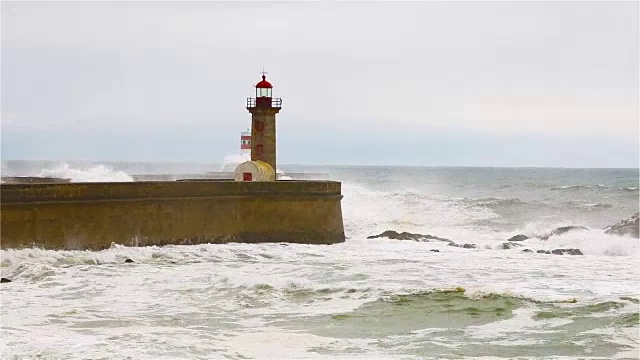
x,y
448,324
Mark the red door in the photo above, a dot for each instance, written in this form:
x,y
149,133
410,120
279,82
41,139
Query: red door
x,y
247,177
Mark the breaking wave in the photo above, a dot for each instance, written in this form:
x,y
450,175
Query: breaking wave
x,y
589,206
97,173
496,202
230,162
568,187
596,187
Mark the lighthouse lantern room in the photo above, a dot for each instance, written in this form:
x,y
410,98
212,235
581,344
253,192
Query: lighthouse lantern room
x,y
264,96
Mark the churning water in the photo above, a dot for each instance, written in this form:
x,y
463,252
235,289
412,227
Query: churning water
x,y
365,298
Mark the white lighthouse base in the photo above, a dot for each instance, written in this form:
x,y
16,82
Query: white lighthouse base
x,y
254,171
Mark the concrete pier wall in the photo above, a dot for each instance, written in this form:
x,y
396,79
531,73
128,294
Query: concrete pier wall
x,y
95,215
33,180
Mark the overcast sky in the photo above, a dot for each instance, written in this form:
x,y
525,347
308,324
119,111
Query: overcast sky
x,y
400,83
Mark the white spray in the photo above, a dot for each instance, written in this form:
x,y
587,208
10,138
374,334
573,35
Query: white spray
x,y
96,173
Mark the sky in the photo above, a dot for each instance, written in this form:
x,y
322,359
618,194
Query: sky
x,y
446,83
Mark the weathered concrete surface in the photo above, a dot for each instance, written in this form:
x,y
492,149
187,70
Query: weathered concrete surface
x,y
225,176
33,180
165,177
263,134
95,215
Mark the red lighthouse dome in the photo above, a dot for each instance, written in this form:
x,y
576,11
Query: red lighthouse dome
x,y
264,84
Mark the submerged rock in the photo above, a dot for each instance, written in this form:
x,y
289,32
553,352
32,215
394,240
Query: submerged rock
x,y
518,237
563,230
128,260
465,246
5,280
626,227
394,235
527,251
434,250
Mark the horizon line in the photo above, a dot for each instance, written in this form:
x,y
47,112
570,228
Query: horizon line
x,y
326,165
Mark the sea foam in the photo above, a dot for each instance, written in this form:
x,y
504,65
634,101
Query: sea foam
x,y
96,173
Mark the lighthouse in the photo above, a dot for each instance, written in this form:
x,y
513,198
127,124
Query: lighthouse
x,y
245,143
252,209
263,108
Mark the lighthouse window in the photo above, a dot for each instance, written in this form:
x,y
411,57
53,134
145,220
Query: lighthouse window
x,y
264,92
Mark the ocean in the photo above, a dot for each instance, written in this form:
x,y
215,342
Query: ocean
x,y
465,291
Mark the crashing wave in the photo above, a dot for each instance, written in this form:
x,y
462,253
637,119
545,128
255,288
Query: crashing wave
x,y
97,173
568,187
626,227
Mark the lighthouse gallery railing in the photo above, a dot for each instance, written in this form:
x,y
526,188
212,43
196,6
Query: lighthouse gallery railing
x,y
264,102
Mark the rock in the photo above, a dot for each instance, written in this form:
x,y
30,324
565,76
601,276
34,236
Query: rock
x,y
465,246
519,237
434,250
527,251
509,245
567,251
394,235
563,230
627,227
128,260
561,252
5,280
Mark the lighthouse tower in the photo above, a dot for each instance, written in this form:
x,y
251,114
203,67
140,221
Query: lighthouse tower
x,y
263,109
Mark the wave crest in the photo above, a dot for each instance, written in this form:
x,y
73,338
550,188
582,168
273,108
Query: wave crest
x,y
568,187
96,173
